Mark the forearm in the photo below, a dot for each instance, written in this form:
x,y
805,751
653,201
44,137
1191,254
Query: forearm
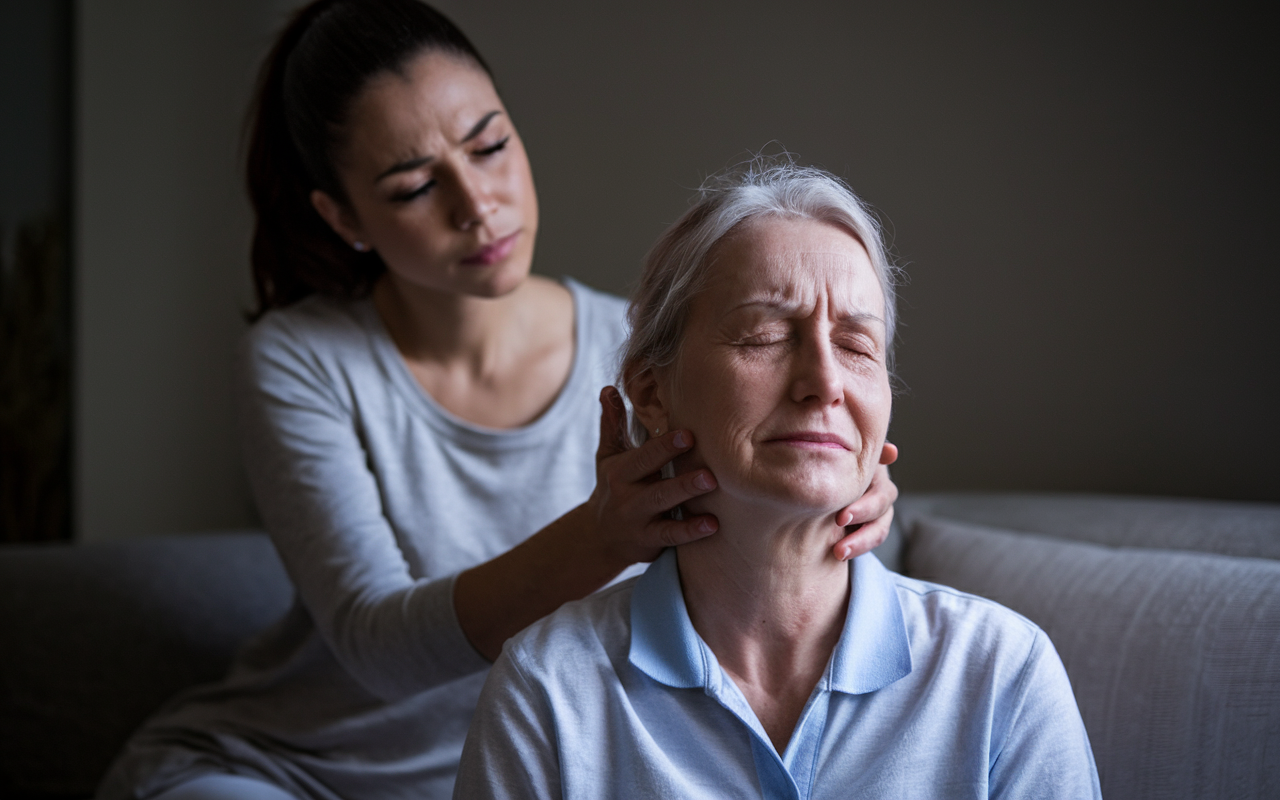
x,y
564,561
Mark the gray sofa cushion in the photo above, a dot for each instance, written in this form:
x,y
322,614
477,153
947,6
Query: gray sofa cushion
x,y
1174,657
1226,527
96,637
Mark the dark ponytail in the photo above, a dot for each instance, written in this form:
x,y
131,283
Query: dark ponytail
x,y
322,60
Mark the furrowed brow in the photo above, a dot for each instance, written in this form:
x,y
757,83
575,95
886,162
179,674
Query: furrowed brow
x,y
413,163
404,166
861,318
479,127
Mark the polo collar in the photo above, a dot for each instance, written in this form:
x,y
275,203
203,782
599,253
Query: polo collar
x,y
872,652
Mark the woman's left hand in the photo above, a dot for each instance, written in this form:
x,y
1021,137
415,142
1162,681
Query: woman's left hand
x,y
868,518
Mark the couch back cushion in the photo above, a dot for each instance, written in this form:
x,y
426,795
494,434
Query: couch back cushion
x,y
95,637
1174,657
1225,527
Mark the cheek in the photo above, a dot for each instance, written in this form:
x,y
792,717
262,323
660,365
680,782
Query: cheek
x,y
872,401
724,404
516,178
406,242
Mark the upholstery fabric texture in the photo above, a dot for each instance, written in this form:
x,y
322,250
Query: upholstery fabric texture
x,y
96,637
1174,657
1225,527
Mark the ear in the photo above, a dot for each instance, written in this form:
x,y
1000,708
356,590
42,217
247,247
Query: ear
x,y
339,218
647,392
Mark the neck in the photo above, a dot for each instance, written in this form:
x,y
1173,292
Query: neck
x,y
779,585
769,599
450,328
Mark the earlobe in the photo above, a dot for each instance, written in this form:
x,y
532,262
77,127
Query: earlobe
x,y
332,212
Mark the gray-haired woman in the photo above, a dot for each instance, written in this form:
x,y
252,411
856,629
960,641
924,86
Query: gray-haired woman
x,y
754,662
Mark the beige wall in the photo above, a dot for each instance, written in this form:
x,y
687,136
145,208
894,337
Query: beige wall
x,y
1081,196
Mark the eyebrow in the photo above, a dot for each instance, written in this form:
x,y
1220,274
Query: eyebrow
x,y
414,163
786,307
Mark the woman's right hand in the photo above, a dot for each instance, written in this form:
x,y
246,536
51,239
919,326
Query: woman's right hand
x,y
629,507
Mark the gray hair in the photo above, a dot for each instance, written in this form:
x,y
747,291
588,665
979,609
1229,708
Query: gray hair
x,y
674,270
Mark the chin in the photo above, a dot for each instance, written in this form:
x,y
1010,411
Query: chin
x,y
806,494
500,282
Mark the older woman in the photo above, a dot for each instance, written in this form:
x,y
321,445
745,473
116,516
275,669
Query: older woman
x,y
754,663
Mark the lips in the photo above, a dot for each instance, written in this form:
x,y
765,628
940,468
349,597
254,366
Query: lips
x,y
818,440
492,253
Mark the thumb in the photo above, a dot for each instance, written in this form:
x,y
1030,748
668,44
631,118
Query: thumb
x,y
613,424
889,454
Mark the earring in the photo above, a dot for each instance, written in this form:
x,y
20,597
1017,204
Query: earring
x,y
360,246
657,431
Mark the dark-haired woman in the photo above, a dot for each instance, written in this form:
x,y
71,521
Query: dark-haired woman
x,y
421,425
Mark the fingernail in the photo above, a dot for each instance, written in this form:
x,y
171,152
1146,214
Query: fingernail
x,y
703,481
706,527
682,439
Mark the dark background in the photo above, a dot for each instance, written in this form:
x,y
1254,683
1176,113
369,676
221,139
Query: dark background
x,y
1083,197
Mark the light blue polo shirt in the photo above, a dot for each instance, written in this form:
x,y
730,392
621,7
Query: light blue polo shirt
x,y
930,692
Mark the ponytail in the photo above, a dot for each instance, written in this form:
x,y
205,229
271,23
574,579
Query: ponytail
x,y
327,53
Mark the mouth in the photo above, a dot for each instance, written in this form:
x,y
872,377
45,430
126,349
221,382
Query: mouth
x,y
812,440
492,253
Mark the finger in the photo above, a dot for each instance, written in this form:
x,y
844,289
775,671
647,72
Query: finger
x,y
664,495
649,457
675,532
864,539
888,454
875,501
613,424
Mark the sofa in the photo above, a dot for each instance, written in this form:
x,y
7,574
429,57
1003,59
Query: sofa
x,y
1166,613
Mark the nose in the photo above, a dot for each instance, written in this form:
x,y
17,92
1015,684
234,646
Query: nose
x,y
475,201
816,373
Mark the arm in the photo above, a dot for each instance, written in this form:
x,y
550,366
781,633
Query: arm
x,y
1042,749
395,634
322,506
511,749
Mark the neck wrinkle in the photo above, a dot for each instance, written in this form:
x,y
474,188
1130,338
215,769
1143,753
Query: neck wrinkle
x,y
768,600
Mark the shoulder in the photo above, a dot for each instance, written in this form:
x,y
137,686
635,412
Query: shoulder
x,y
602,331
952,626
593,631
600,311
315,324
315,331
316,345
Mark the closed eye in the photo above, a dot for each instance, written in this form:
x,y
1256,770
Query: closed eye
x,y
857,346
493,148
765,339
404,197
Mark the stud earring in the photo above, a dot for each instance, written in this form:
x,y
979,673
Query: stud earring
x,y
360,246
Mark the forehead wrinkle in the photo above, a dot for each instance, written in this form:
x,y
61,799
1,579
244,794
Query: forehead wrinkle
x,y
801,282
